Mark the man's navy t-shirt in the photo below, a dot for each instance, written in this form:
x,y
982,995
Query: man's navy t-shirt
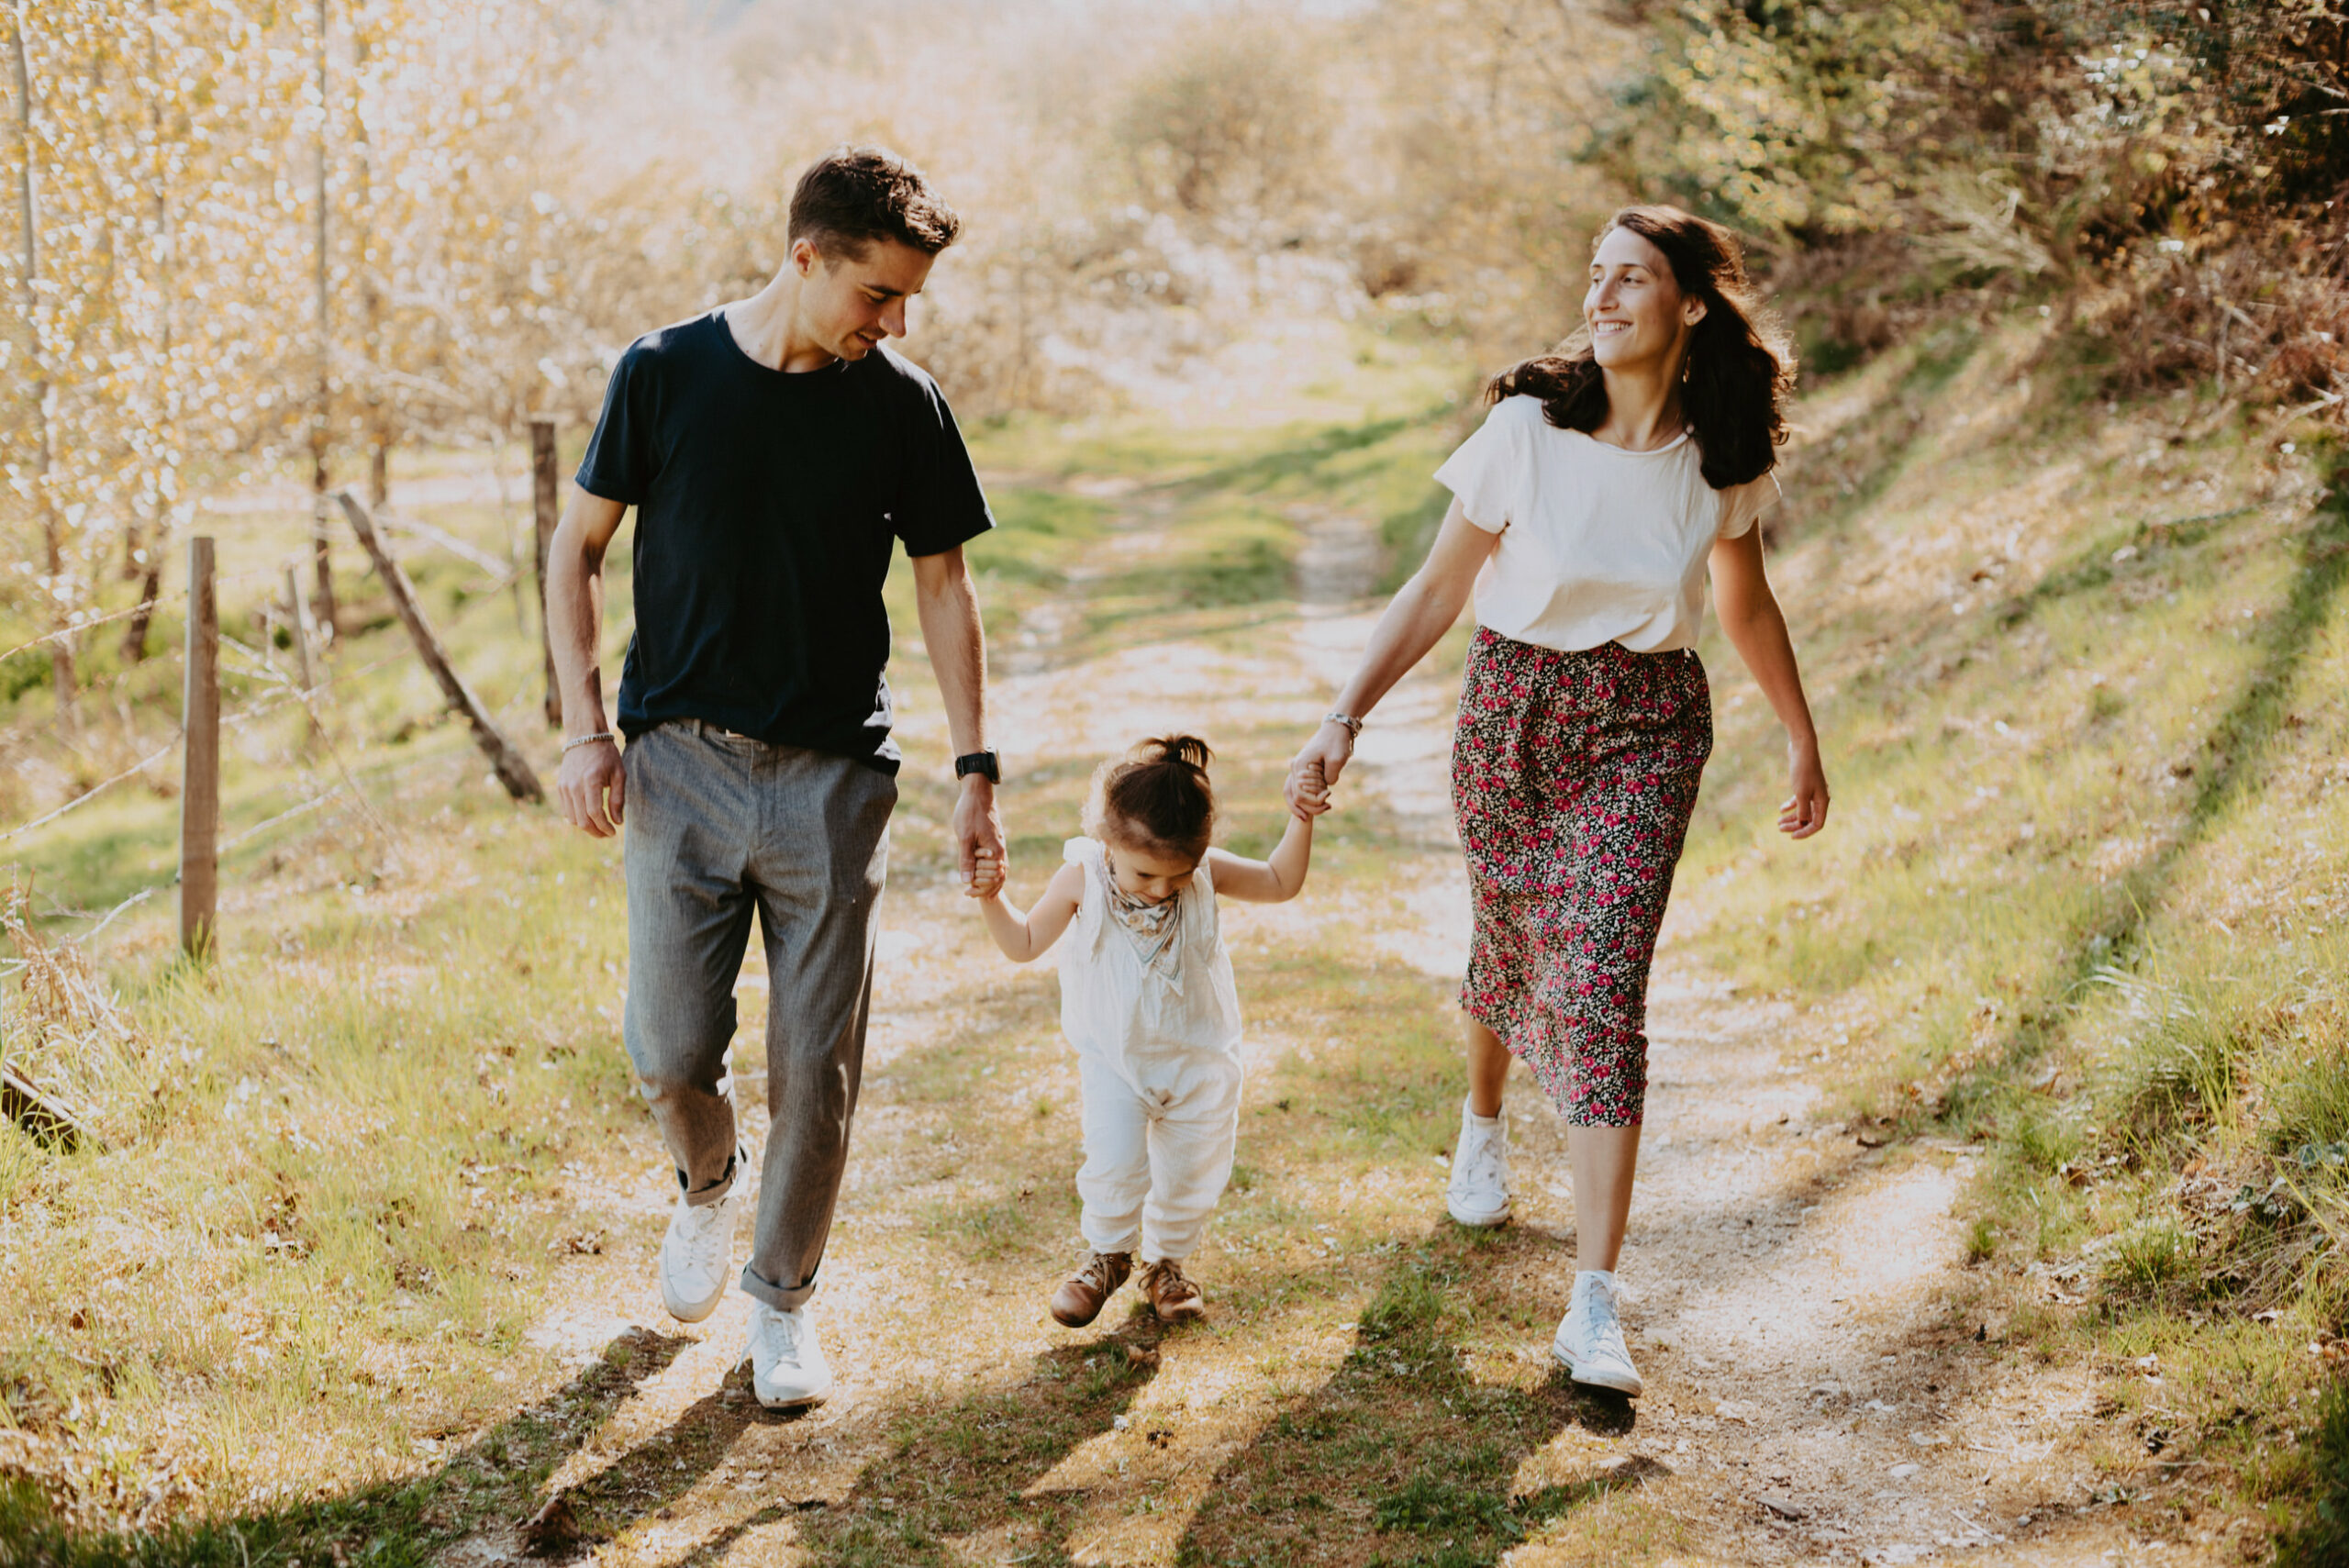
x,y
767,504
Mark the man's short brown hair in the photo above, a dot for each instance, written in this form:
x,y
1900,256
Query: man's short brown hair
x,y
853,195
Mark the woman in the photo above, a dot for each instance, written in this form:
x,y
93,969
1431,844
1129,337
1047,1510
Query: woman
x,y
1588,508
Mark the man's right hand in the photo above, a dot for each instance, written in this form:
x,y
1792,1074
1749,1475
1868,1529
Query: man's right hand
x,y
592,787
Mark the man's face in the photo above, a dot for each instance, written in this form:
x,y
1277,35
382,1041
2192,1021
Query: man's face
x,y
847,304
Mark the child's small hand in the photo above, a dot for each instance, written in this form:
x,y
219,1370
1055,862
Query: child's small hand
x,y
1312,793
986,877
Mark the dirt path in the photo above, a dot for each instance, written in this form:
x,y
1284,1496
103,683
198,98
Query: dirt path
x,y
1819,1388
1798,1300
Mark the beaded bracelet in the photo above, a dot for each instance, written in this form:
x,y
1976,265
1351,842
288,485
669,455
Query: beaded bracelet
x,y
578,740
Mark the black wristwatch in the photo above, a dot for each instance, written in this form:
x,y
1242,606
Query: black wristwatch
x,y
979,763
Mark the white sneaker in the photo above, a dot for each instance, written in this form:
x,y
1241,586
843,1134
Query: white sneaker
x,y
697,1254
1589,1343
1479,1195
787,1365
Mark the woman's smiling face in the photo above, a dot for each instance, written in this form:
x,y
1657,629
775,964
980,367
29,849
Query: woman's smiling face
x,y
1635,310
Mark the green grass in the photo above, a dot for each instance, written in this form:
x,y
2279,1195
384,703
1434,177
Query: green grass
x,y
399,1524
359,1134
2083,694
2321,1534
2082,690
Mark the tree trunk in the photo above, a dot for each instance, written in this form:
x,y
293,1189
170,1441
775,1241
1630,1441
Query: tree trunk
x,y
546,495
371,295
53,531
143,559
142,614
513,771
322,411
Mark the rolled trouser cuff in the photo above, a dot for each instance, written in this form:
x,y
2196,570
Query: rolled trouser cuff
x,y
758,1287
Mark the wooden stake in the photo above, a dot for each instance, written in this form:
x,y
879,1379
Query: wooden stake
x,y
544,496
297,621
513,771
42,1115
200,751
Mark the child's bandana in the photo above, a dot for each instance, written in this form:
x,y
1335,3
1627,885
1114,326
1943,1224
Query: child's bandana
x,y
1154,926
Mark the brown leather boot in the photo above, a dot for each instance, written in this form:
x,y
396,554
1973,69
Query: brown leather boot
x,y
1080,1298
1174,1297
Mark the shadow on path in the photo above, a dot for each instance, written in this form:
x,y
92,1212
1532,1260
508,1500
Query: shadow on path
x,y
481,1489
1404,1453
2229,763
949,1470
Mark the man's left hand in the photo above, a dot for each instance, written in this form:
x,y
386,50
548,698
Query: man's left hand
x,y
979,827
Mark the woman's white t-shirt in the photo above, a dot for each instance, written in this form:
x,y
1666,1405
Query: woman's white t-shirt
x,y
1598,544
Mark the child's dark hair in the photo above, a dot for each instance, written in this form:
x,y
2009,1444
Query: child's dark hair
x,y
1158,798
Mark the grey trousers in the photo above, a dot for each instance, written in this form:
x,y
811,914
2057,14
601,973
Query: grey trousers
x,y
719,826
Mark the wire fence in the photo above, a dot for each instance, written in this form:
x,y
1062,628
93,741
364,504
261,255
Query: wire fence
x,y
91,793
82,621
250,663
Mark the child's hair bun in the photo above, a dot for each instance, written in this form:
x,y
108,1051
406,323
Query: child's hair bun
x,y
1160,797
1187,750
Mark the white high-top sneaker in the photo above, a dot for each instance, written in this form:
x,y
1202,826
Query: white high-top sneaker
x,y
787,1364
1479,1195
697,1254
1589,1342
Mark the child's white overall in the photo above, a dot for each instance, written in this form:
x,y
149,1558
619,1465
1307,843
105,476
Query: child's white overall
x,y
1155,1022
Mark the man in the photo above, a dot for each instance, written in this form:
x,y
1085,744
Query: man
x,y
774,449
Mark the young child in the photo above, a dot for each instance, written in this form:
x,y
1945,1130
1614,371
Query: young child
x,y
1148,1003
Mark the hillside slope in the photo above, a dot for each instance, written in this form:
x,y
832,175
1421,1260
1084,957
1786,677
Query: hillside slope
x,y
2083,673
2075,928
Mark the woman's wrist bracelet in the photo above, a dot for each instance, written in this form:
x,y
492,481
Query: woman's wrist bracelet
x,y
578,740
1346,721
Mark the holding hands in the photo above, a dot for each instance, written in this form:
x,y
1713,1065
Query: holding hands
x,y
1314,771
978,838
987,865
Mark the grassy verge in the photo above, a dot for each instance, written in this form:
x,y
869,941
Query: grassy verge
x,y
2081,673
288,1313
2082,677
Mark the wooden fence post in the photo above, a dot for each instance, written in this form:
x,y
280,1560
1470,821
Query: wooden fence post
x,y
200,753
513,769
543,497
297,621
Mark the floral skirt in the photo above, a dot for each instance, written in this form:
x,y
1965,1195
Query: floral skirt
x,y
1572,778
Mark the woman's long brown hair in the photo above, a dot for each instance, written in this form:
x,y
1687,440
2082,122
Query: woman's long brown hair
x,y
1734,391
